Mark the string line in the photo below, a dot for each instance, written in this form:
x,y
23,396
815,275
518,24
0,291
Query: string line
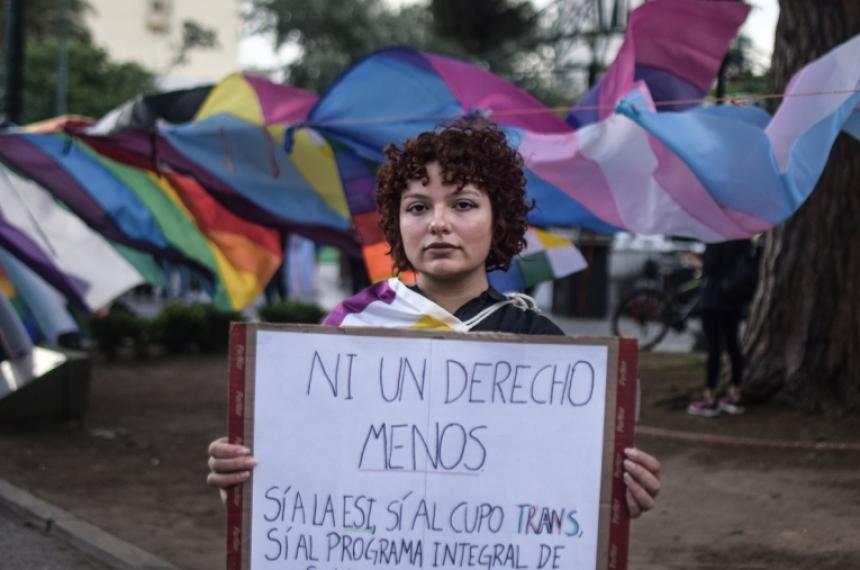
x,y
733,100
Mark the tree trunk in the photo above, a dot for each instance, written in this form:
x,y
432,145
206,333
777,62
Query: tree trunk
x,y
802,342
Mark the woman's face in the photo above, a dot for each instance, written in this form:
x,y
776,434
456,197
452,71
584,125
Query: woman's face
x,y
447,233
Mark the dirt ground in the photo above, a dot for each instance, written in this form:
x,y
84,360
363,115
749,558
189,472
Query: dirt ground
x,y
136,467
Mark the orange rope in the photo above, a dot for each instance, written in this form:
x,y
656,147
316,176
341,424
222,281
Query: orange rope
x,y
734,100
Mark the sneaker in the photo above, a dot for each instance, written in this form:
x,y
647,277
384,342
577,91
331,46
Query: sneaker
x,y
703,409
730,406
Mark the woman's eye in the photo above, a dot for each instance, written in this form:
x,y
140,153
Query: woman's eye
x,y
415,208
463,205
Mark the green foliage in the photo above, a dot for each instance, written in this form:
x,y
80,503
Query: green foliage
x,y
194,36
96,84
43,18
176,326
291,312
466,23
503,35
741,75
119,327
215,335
179,328
183,328
332,34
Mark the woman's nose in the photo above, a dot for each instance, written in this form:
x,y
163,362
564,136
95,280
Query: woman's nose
x,y
439,221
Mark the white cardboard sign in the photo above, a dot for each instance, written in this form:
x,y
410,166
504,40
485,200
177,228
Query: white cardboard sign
x,y
396,449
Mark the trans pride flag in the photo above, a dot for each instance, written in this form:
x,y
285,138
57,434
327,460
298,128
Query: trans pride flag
x,y
675,47
713,173
750,172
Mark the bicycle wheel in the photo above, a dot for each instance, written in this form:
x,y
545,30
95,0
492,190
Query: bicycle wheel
x,y
644,315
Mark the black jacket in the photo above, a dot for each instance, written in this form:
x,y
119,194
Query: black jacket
x,y
509,319
719,260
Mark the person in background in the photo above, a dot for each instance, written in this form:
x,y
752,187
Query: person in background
x,y
729,270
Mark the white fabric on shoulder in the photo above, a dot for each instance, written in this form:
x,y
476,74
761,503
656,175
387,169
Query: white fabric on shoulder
x,y
410,309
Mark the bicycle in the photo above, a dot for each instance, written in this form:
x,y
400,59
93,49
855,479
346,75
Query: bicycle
x,y
667,299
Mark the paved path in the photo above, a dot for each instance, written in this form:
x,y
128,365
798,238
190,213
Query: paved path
x,y
25,547
36,535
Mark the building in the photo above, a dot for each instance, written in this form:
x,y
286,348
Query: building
x,y
149,32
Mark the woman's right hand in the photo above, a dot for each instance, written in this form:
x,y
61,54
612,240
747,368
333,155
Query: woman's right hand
x,y
229,464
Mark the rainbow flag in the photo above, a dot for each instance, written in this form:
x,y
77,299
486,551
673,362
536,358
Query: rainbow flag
x,y
15,341
242,255
59,246
8,289
234,149
167,214
41,308
256,100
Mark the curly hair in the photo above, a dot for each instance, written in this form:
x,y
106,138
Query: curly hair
x,y
468,153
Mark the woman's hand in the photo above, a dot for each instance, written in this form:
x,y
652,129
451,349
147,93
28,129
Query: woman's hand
x,y
229,464
642,477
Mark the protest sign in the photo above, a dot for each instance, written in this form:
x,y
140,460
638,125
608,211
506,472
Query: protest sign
x,y
383,448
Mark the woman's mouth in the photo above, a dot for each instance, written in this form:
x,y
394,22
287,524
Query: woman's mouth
x,y
440,247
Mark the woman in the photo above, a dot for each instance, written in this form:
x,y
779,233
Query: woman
x,y
452,206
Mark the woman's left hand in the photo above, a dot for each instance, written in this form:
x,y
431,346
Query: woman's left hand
x,y
642,477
